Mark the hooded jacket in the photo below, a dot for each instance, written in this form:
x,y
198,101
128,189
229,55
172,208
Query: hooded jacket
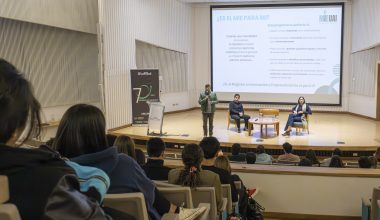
x,y
125,174
43,186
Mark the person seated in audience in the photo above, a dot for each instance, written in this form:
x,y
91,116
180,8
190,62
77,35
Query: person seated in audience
x,y
299,114
262,157
193,175
326,162
81,137
154,167
373,161
111,138
222,162
236,155
336,161
211,150
237,112
310,154
364,162
140,157
251,158
41,184
125,145
305,162
288,156
377,154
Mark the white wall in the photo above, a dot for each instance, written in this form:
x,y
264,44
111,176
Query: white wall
x,y
317,195
365,24
78,15
202,63
160,22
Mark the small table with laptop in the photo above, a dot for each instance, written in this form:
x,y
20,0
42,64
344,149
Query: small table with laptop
x,y
264,121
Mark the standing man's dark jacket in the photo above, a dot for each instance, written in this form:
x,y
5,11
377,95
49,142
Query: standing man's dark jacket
x,y
43,186
155,169
225,178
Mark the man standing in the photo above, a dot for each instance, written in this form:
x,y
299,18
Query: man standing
x,y
237,112
207,100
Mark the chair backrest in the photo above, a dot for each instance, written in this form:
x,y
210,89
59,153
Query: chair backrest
x,y
237,185
130,203
269,112
226,193
374,203
205,195
178,195
7,211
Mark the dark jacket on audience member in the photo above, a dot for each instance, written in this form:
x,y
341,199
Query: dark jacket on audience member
x,y
43,186
125,174
225,178
240,157
156,170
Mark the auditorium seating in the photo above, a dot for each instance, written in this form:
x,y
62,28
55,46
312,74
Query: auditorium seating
x,y
226,193
371,207
8,211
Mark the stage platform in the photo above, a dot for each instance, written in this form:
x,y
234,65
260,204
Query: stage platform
x,y
353,134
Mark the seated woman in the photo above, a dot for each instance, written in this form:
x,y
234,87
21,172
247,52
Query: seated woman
x,y
81,137
300,112
192,175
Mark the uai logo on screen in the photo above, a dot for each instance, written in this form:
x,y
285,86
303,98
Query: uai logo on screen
x,y
326,18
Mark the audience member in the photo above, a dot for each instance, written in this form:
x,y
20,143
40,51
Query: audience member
x,y
140,157
111,139
288,156
336,161
305,162
326,162
154,167
262,157
81,137
222,162
364,162
373,161
41,184
377,154
310,154
125,145
192,175
236,155
211,150
251,158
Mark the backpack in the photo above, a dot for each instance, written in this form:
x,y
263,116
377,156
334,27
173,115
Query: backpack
x,y
250,209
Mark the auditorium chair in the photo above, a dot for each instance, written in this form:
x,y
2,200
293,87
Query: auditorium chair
x,y
8,211
300,125
231,120
226,193
133,204
207,195
371,207
181,196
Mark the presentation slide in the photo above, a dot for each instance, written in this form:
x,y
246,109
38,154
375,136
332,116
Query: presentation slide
x,y
274,54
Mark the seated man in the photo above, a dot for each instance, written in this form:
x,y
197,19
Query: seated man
x,y
211,150
288,156
237,112
236,155
262,157
154,167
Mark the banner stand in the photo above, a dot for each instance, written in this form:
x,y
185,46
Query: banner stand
x,y
156,118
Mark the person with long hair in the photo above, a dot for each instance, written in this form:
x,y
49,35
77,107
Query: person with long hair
x,y
124,144
192,174
299,114
310,154
41,184
81,137
336,162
